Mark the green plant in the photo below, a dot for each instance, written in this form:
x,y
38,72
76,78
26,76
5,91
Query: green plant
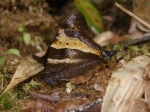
x,y
91,14
6,101
25,36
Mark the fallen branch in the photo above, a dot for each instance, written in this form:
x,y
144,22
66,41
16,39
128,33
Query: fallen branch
x,y
132,15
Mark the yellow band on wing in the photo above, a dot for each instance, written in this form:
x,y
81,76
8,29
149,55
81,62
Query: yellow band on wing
x,y
63,41
59,61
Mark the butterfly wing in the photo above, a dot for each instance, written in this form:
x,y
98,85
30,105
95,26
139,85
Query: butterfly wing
x,y
72,63
74,34
76,22
72,52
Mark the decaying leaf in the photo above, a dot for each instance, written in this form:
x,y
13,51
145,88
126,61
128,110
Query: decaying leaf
x,y
72,103
55,97
38,106
82,78
147,70
94,106
27,68
98,87
104,38
147,89
127,86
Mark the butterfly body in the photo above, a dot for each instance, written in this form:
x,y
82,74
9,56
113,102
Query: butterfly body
x,y
72,52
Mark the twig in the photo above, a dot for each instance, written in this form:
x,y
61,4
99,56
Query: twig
x,y
132,15
145,39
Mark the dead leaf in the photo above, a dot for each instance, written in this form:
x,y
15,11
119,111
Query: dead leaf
x,y
140,105
94,106
103,38
72,103
27,68
147,70
126,85
38,106
108,37
98,87
147,89
50,98
142,28
116,39
141,9
82,78
134,32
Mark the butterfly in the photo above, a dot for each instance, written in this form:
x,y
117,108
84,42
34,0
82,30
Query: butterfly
x,y
72,52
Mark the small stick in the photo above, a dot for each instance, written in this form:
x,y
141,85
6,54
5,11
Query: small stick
x,y
132,15
145,39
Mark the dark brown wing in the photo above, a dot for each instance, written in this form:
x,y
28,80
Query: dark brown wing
x,y
60,68
77,22
72,52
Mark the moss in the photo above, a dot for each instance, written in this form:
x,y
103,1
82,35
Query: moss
x,y
6,101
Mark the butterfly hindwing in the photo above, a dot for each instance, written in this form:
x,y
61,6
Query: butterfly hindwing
x,y
75,63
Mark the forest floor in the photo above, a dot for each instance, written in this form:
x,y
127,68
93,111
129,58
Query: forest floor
x,y
28,27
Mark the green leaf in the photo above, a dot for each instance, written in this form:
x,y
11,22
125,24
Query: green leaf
x,y
26,38
21,29
2,60
134,48
13,51
91,14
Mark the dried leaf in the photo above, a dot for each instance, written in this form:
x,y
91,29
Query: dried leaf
x,y
127,85
82,78
72,103
104,38
141,9
98,87
147,89
94,106
27,68
147,70
50,98
38,106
